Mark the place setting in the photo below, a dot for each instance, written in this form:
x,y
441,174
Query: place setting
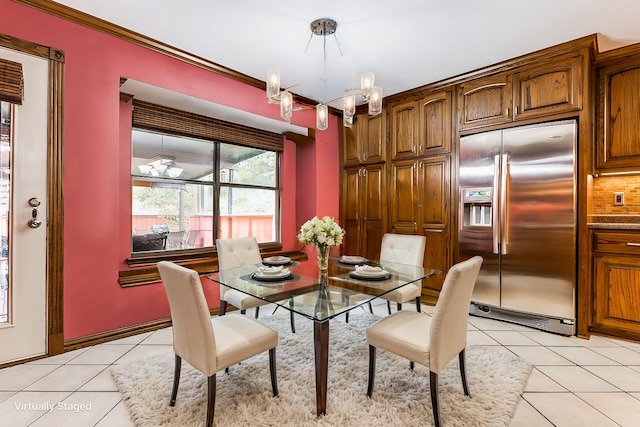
x,y
277,260
369,272
272,274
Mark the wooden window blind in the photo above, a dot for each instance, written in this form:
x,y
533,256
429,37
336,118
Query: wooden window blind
x,y
11,82
159,118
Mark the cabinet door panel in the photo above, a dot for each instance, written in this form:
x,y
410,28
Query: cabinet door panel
x,y
403,197
375,144
404,132
549,89
434,191
350,149
485,101
351,210
617,299
436,123
436,255
619,138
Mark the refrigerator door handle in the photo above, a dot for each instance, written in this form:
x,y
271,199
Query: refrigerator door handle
x,y
495,223
504,220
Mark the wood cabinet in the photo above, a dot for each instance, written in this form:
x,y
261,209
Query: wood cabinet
x,y
616,287
365,141
422,127
364,210
551,87
618,113
420,204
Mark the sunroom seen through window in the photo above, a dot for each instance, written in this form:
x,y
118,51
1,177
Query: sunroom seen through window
x,y
188,192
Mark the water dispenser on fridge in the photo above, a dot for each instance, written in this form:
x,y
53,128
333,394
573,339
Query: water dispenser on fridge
x,y
476,207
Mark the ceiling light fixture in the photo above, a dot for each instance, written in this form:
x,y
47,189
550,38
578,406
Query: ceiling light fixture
x,y
367,92
161,165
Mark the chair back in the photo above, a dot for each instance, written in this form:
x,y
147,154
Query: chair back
x,y
403,249
448,335
193,338
237,252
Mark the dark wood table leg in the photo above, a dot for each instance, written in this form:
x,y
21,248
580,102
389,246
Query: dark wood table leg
x,y
321,348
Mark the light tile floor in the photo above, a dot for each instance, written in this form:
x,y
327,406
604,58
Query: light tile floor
x,y
575,382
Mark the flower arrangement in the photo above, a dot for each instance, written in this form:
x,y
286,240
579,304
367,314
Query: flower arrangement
x,y
323,233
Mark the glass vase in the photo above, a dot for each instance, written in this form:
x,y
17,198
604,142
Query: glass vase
x,y
323,257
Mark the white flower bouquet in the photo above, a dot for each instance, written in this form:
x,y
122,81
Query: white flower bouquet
x,y
323,231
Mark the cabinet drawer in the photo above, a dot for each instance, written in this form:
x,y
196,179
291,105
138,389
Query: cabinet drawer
x,y
621,243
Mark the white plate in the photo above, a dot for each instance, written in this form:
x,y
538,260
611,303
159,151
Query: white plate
x,y
352,260
277,260
272,273
383,275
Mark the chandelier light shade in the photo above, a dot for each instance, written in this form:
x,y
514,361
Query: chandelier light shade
x,y
367,92
273,84
375,101
322,116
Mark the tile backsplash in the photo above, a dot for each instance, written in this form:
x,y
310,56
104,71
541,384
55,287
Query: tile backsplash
x,y
602,195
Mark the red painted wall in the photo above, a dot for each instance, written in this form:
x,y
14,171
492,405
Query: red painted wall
x,y
97,164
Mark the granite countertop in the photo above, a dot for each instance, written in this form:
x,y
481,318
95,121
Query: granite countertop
x,y
614,222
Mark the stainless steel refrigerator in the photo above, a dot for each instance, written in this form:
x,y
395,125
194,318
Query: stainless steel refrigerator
x,y
518,211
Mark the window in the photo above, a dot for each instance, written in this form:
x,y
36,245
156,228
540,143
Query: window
x,y
187,191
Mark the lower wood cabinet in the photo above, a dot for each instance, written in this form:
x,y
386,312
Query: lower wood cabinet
x,y
616,303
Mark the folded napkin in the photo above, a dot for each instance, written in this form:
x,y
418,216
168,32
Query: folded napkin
x,y
352,258
278,258
279,270
369,270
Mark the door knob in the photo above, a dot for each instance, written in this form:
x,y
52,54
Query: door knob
x,y
34,222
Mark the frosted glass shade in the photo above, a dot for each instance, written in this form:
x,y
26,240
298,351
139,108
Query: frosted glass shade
x,y
273,84
286,105
375,101
322,117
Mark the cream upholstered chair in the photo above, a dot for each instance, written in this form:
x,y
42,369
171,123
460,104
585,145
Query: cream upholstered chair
x,y
403,249
210,345
430,341
236,252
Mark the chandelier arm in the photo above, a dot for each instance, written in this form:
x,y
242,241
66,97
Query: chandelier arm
x,y
338,44
307,48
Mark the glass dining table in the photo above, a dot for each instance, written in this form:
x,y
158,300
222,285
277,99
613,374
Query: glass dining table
x,y
321,297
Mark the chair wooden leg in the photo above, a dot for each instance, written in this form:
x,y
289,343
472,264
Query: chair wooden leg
x,y
433,383
399,306
272,369
463,372
372,370
176,380
293,322
418,304
243,311
389,307
257,311
370,308
346,317
211,399
412,365
223,307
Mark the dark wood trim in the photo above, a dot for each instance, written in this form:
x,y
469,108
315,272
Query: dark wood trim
x,y
149,273
55,226
55,196
100,25
573,46
301,139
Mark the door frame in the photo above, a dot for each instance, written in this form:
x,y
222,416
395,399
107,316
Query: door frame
x,y
55,202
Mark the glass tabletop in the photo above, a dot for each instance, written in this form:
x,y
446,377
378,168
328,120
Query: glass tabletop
x,y
300,288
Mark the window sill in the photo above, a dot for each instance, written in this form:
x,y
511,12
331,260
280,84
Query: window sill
x,y
144,271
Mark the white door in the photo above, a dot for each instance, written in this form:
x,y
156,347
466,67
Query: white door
x,y
23,176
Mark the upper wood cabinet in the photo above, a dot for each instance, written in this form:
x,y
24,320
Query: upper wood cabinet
x,y
422,127
436,123
365,140
618,116
550,87
405,128
485,101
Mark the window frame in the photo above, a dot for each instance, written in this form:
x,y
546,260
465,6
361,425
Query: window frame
x,y
164,120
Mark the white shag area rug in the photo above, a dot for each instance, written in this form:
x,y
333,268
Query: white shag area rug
x,y
496,380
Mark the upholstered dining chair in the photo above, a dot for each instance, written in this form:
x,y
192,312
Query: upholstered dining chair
x,y
210,344
430,341
403,249
236,252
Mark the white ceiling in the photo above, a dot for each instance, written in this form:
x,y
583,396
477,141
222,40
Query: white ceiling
x,y
407,43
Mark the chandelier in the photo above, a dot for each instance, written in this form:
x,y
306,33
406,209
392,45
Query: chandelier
x,y
161,165
367,93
